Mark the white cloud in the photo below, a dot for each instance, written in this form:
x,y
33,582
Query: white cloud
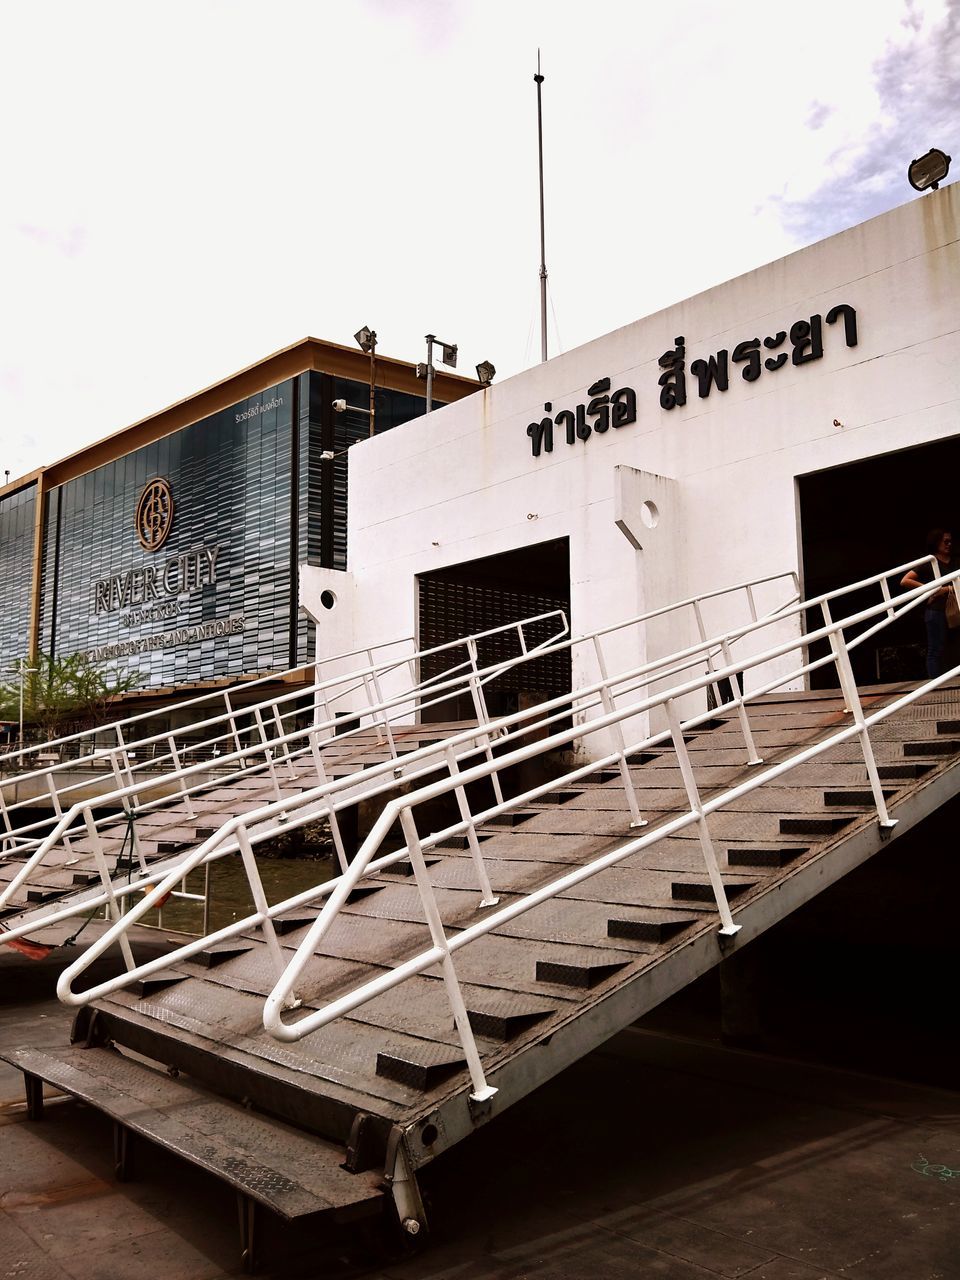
x,y
193,185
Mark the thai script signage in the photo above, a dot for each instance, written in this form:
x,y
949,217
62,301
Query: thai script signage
x,y
262,406
801,343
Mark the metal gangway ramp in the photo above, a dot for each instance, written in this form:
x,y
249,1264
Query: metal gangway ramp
x,y
319,1053
125,802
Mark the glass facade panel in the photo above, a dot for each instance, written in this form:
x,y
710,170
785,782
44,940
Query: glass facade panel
x,y
16,572
189,587
178,562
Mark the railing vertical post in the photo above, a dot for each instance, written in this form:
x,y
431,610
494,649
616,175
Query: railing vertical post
x,y
285,746
411,664
488,899
260,900
126,763
371,703
231,718
706,843
380,701
481,1090
174,755
851,694
480,711
57,807
135,849
702,631
267,752
332,816
609,707
885,592
205,924
325,706
738,702
751,603
112,909
8,827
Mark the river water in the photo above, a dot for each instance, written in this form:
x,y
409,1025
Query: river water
x,y
230,897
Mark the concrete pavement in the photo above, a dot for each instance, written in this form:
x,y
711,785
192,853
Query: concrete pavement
x,y
657,1157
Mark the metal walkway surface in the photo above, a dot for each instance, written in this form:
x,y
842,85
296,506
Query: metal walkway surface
x,y
540,992
68,881
392,1011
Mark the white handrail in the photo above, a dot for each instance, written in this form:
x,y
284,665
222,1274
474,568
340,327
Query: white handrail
x,y
338,888
436,686
306,741
345,684
282,997
328,692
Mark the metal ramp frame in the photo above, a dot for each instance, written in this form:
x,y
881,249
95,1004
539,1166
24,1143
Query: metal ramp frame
x,y
186,804
598,918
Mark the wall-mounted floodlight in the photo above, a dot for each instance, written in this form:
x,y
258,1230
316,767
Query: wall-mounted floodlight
x,y
928,171
448,354
486,373
366,339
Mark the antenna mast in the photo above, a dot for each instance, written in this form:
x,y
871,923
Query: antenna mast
x,y
543,253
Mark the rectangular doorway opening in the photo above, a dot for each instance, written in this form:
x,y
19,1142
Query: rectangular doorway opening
x,y
476,595
861,518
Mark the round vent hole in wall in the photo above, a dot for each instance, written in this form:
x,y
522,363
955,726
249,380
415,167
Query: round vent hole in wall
x,y
650,514
328,599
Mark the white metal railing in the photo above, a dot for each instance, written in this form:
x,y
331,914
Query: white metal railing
x,y
236,835
143,769
297,747
290,749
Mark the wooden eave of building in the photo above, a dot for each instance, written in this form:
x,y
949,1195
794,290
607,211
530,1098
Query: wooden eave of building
x,y
309,354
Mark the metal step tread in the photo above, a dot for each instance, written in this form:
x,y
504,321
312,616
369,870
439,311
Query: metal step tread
x,y
290,1172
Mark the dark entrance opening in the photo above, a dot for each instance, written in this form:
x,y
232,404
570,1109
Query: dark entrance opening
x,y
477,595
859,519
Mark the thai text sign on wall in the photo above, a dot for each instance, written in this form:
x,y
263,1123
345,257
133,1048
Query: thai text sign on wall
x,y
603,410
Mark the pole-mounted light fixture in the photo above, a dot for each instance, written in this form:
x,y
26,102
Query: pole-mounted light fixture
x,y
929,170
366,339
448,355
485,373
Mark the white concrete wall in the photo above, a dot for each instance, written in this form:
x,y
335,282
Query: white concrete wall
x,y
462,483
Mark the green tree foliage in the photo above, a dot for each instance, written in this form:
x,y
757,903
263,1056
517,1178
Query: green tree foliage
x,y
61,695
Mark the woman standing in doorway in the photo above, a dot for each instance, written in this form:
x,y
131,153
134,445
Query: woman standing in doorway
x,y
939,544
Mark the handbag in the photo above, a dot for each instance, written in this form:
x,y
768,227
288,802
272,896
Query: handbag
x,y
952,610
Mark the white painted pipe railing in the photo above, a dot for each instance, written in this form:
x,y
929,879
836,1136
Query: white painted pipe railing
x,y
306,743
366,862
259,759
161,763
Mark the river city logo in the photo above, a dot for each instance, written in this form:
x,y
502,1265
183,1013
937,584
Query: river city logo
x,y
154,515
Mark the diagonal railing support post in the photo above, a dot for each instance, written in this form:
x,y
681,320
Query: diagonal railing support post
x,y
851,695
113,910
332,816
738,701
609,707
480,711
488,898
728,928
481,1090
262,906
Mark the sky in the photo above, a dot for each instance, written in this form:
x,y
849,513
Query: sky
x,y
191,185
